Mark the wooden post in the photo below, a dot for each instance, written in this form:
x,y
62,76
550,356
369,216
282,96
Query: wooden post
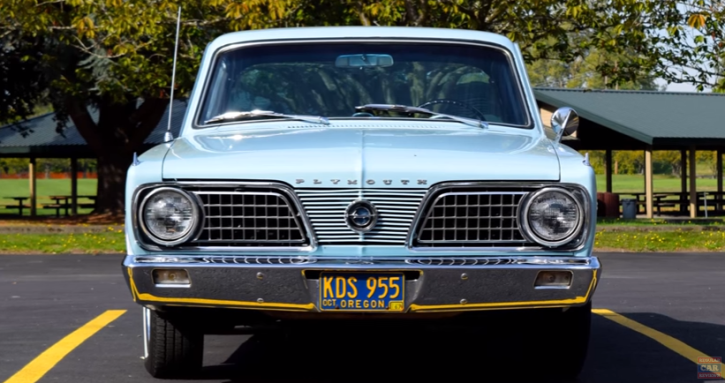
x,y
74,185
693,184
719,180
683,181
648,186
608,170
33,190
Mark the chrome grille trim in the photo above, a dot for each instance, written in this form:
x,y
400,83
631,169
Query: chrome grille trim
x,y
280,191
248,217
472,217
326,211
507,187
356,261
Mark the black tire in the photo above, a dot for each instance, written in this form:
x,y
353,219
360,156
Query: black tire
x,y
562,342
175,346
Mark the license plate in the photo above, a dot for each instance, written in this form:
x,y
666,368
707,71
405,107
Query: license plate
x,y
362,291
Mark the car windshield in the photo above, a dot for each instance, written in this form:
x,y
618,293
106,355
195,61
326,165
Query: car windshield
x,y
331,79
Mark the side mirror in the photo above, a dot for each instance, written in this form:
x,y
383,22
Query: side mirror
x,y
564,122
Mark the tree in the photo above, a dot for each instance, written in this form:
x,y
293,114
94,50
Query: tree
x,y
116,55
583,73
691,49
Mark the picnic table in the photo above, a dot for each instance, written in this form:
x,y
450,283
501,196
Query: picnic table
x,y
20,206
63,202
711,199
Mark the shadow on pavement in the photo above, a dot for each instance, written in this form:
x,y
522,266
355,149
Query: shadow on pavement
x,y
498,353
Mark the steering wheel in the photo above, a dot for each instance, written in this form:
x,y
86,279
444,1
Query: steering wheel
x,y
454,102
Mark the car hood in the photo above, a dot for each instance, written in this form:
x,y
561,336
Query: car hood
x,y
348,155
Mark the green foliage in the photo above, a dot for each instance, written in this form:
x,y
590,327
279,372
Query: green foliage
x,y
123,49
56,165
666,162
111,53
584,72
693,48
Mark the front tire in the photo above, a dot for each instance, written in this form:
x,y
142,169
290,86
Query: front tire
x,y
562,342
174,347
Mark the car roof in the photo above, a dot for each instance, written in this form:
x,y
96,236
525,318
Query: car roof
x,y
338,32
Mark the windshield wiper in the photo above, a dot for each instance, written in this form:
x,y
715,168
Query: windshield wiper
x,y
235,116
414,109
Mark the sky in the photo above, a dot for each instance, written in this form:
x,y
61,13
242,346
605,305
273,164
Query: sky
x,y
690,39
679,87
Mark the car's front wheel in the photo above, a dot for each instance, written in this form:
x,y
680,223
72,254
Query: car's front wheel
x,y
561,341
173,346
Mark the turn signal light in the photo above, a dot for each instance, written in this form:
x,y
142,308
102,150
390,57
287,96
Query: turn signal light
x,y
171,277
553,279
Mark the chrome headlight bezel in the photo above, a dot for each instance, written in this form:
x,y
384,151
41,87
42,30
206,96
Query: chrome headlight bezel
x,y
531,235
193,230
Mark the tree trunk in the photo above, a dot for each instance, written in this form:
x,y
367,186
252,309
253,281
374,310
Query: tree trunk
x,y
112,168
120,131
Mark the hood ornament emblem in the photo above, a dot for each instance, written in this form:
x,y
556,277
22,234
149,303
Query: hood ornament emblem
x,y
361,216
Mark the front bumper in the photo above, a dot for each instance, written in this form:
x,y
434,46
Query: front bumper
x,y
433,284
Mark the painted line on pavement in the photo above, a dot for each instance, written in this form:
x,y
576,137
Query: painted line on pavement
x,y
39,366
666,340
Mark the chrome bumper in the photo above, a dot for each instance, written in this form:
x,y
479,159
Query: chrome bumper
x,y
292,284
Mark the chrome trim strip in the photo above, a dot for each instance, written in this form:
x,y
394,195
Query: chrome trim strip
x,y
147,331
172,286
284,188
434,189
338,262
201,100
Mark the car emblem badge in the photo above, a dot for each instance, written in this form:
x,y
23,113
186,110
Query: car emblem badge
x,y
361,216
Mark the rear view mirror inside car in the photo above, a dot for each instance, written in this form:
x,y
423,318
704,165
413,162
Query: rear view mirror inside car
x,y
364,60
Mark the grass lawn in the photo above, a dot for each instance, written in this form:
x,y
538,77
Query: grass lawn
x,y
86,243
660,241
21,188
634,183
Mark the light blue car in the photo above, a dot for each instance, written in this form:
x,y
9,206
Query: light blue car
x,y
350,172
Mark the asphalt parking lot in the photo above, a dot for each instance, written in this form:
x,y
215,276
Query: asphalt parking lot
x,y
655,314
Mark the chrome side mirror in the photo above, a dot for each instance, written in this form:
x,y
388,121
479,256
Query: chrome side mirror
x,y
564,122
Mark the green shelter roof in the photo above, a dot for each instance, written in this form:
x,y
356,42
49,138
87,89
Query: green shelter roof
x,y
648,116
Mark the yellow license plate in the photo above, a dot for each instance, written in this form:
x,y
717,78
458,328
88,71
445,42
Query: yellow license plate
x,y
359,291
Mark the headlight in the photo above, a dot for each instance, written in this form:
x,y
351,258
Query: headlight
x,y
552,216
169,216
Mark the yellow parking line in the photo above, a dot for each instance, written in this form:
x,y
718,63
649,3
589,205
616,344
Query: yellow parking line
x,y
666,340
39,366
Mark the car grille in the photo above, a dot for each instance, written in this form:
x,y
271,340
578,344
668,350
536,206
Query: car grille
x,y
326,211
471,218
245,217
278,216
